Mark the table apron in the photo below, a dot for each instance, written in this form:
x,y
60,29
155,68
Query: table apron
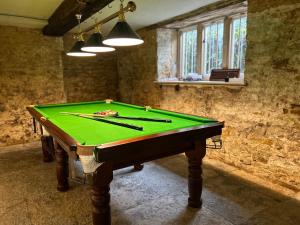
x,y
151,149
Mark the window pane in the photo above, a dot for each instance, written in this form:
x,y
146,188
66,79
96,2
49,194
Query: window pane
x,y
213,46
189,52
238,44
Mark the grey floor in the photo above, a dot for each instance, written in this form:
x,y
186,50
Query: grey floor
x,y
156,195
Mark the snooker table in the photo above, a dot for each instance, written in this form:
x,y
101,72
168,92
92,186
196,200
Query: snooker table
x,y
113,147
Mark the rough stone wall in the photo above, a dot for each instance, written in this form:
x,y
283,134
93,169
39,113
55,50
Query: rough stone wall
x,y
166,53
30,73
35,70
137,68
262,134
91,78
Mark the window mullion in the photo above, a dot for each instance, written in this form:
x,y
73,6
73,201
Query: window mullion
x,y
217,45
178,55
226,43
199,65
210,50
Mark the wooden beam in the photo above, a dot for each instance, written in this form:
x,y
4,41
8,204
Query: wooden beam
x,y
63,19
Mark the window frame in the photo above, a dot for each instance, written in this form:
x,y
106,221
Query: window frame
x,y
227,44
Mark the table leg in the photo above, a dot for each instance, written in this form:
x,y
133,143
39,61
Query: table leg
x,y
62,168
47,148
195,173
100,194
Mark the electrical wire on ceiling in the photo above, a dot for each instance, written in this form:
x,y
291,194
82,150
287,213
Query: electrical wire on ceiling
x,y
21,16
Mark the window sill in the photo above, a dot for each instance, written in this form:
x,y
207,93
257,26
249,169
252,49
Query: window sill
x,y
203,82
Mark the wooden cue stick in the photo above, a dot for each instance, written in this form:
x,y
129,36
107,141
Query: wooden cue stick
x,y
108,121
84,114
124,117
144,119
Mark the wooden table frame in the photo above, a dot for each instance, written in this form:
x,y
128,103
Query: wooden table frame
x,y
134,151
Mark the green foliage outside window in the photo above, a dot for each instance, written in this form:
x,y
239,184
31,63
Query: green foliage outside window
x,y
238,44
189,52
213,46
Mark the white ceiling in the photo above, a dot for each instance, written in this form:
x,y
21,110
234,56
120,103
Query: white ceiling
x,y
148,12
28,8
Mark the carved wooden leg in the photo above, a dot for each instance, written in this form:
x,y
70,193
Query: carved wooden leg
x,y
138,167
100,194
47,148
195,173
62,168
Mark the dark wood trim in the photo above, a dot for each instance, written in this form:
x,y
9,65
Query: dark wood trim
x,y
217,125
172,143
63,19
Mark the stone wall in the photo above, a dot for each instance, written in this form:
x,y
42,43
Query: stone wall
x,y
166,53
90,78
35,70
30,73
137,71
262,134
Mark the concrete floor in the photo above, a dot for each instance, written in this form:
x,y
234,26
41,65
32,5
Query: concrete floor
x,y
157,195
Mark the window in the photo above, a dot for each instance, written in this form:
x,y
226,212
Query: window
x,y
238,43
189,49
188,43
213,46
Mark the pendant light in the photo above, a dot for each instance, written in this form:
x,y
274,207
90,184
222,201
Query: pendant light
x,y
76,49
122,34
94,43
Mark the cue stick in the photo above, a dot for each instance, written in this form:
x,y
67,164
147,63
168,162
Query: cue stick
x,y
144,119
108,121
124,117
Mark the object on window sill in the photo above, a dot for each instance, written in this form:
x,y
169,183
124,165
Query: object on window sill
x,y
168,79
232,82
224,74
193,77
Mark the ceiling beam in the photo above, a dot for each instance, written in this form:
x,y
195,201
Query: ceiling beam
x,y
64,19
